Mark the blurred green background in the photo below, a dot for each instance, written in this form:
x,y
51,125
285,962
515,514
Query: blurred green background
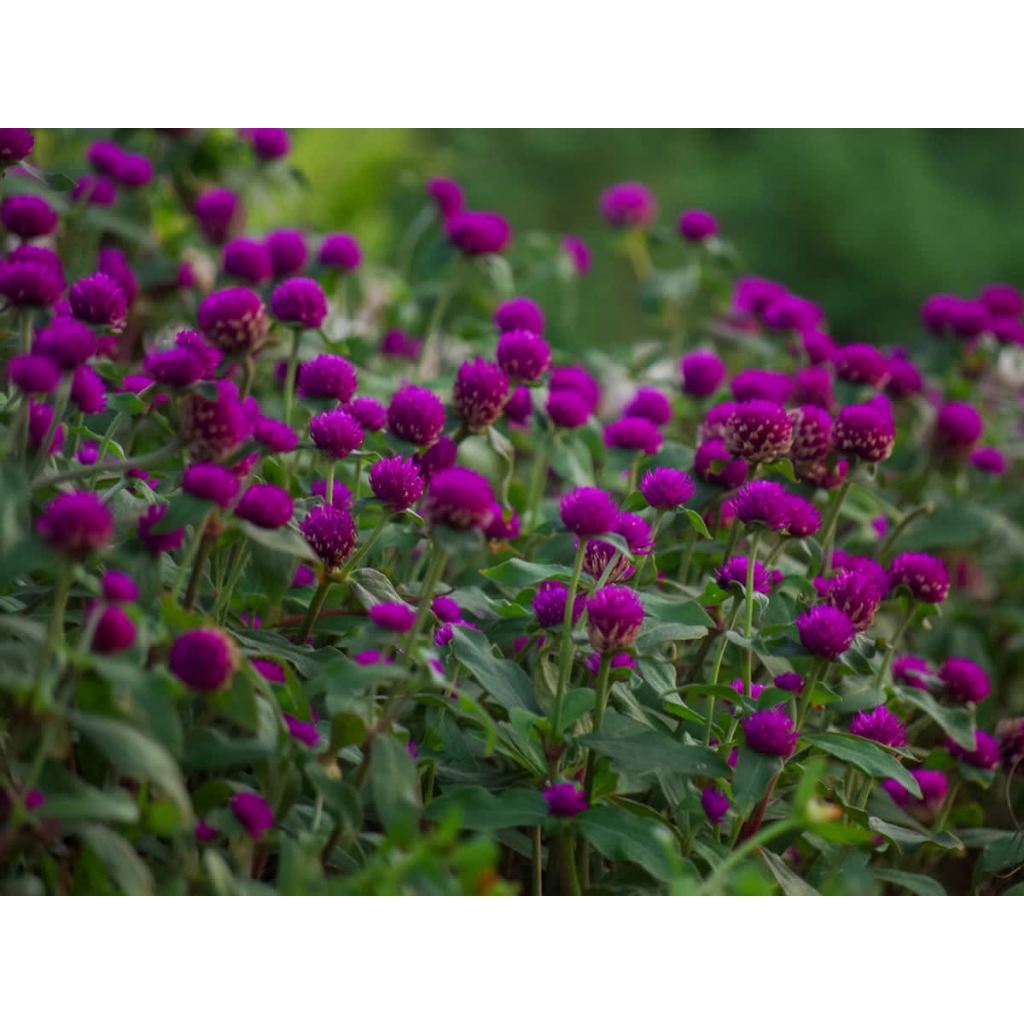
x,y
867,222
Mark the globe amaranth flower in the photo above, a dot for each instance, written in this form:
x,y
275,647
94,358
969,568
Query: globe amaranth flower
x,y
967,317
215,428
565,799
154,536
117,586
265,505
615,616
88,391
66,341
173,367
865,431
328,376
336,433
861,364
28,216
519,314
30,284
791,682
825,631
770,731
766,385
802,517
549,604
368,412
649,404
288,251
715,805
331,533
209,356
715,420
817,345
734,571
446,194
247,259
113,630
666,488
33,374
925,576
812,386
267,143
305,732
989,460
792,313
763,503
910,670
523,354
458,497
697,225
234,319
758,431
219,214
812,434
881,725
578,252
398,618
94,190
98,299
440,455
756,294
254,813
340,252
479,393
399,345
1010,734
856,594
274,434
299,301
633,433
588,511
958,428
504,525
15,145
40,416
701,373
416,415
964,681
203,659
115,265
1002,300
568,408
478,233
396,481
713,462
985,754
904,378
270,670
129,169
446,609
628,205
934,787
576,378
342,495
211,483
76,524
623,663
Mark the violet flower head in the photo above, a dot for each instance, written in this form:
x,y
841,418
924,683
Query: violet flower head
x,y
861,364
825,631
342,497
802,517
985,754
904,378
446,609
254,813
812,433
967,317
15,145
636,531
40,416
756,294
934,787
735,572
588,511
989,460
114,630
248,260
701,373
265,505
856,594
770,732
758,431
305,732
460,498
549,604
958,428
792,313
865,431
791,682
713,462
98,299
664,487
763,503
519,407
766,385
715,420
519,314
964,681
368,412
617,663
274,435
331,533
66,341
577,378
440,455
76,524
203,659
33,374
268,143
396,481
219,214
288,251
925,576
910,670
336,433
416,415
628,205
881,725
615,616
578,252
115,265
154,538
234,319
565,799
1002,300
697,225
812,386
478,233
173,367
568,408
397,344
391,615
504,525
208,355
328,376
523,354
28,216
30,284
479,393
214,428
340,252
211,483
299,301
117,586
633,433
447,196
715,805
649,404
817,345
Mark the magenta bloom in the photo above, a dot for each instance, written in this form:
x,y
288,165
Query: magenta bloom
x,y
203,659
615,616
713,462
398,618
812,433
288,252
299,301
211,483
67,341
331,533
253,812
881,725
478,233
812,386
208,356
715,805
416,415
588,512
865,431
523,354
770,732
802,517
856,594
247,259
520,314
173,367
447,196
15,145
989,460
1002,300
219,214
756,294
396,481
115,265
763,503
155,539
861,364
910,670
792,313
234,319
275,435
440,455
825,631
628,205
579,379
904,378
758,431
117,586
76,524
664,487
28,216
30,283
735,572
702,373
399,345
305,732
967,317
459,497
549,604
985,754
958,428
479,393
114,631
336,433
33,374
634,433
39,419
504,525
328,376
934,787
767,385
341,252
265,505
215,427
791,682
578,252
649,404
925,576
369,413
965,681
98,299
697,225
565,799
268,143
568,408
446,609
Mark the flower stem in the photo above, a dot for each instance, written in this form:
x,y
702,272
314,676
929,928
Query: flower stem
x,y
432,338
567,851
716,669
535,493
538,861
315,606
714,881
565,651
111,469
331,466
289,379
808,695
434,573
748,622
602,699
828,529
248,372
891,537
908,617
59,405
191,554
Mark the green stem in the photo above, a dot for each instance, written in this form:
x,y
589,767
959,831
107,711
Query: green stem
x,y
59,405
248,372
565,653
206,543
111,469
570,879
238,559
775,551
535,492
808,693
716,669
357,478
190,555
684,564
331,466
538,861
289,379
719,875
748,622
602,699
828,529
432,338
26,330
434,573
314,609
893,535
908,617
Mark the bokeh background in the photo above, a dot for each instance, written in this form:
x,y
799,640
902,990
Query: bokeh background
x,y
866,222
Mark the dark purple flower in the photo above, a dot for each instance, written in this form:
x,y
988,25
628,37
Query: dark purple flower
x,y
40,416
735,572
15,145
763,503
579,379
767,385
881,725
664,487
304,576
791,682
105,156
588,511
802,517
649,404
173,367
331,533
503,525
935,312
265,505
446,609
28,216
904,378
305,732
132,170
910,670
861,364
211,483
66,341
440,455
478,233
697,225
792,313
958,428
235,319
447,196
275,435
342,495
524,355
568,408
627,205
288,255
812,386
219,214
328,376
114,630
396,481
618,662
812,434
565,799
270,670
817,345
203,659
989,460
399,345
94,190
117,586
253,812
701,373
215,428
770,732
520,314
341,252
98,299
479,393
615,616
33,374
934,787
369,413
967,317
416,415
519,407
633,433
714,804
636,531
209,357
549,604
713,462
268,143
458,497
115,265
299,301
1002,300
153,538
756,294
985,754
336,433
865,431
857,594
248,259
88,391
398,618
758,431
925,576
578,252
825,631
76,524
30,283
964,680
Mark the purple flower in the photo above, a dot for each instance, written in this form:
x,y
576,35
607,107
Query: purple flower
x,y
342,495
649,404
697,225
588,511
33,374
458,497
274,435
440,455
369,413
817,345
578,252
396,481
132,170
478,233
270,670
791,682
1002,300
341,252
904,378
28,283
812,386
503,525
633,433
520,314
763,503
636,531
299,301
934,787
825,631
967,317
67,341
766,385
714,804
756,294
861,364
881,725
235,319
802,517
519,407
328,376
865,431
989,460
910,670
549,604
304,576
713,462
265,505
331,533
76,524
524,355
618,662
98,299
565,799
117,586
211,483
208,356
215,428
856,594
628,205
248,259
15,145
446,609
925,576
735,572
114,630
792,313
28,216
964,680
416,415
253,812
115,265
701,373
398,345
664,487
398,618
203,659
568,408
715,421
615,616
336,433
770,732
156,540
479,393
269,143
812,434
958,428
305,732
985,754
579,379
173,367
447,196
288,255
40,416
219,213
758,431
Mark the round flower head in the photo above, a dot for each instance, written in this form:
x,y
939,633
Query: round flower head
x,y
479,393
208,356
328,376
964,681
735,572
219,213
336,433
934,787
27,284
342,495
881,725
649,404
792,313
215,428
985,754
440,455
588,511
865,431
66,341
211,483
817,345
763,503
958,428
156,539
812,386
393,616
935,312
636,531
396,481
802,518
967,317
117,586
503,525
578,252
664,487
825,631
1002,300
812,434
524,355
98,299
579,379
133,170
628,205
857,594
275,435
519,407
910,670
715,805
399,345
549,604
15,145
602,560
265,505
822,473
758,431
460,498
288,251
861,364
702,373
447,195
368,412
904,378
33,374
715,420
925,576
305,732
770,732
341,252
756,294
565,799
27,216
235,319
713,462
331,533
697,225
186,278
268,143
568,408
299,301
203,659
247,259
791,682
520,314
989,460
615,616
253,812
416,415
446,609
767,385
173,367
76,524
114,631
634,433
478,233
40,416
115,265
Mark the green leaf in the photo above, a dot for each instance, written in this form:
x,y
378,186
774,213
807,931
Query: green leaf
x,y
675,609
642,751
481,809
340,798
517,574
127,869
619,835
792,884
372,587
754,773
395,786
697,522
956,723
577,703
919,885
70,799
909,838
870,757
653,638
503,449
1006,852
285,541
503,680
